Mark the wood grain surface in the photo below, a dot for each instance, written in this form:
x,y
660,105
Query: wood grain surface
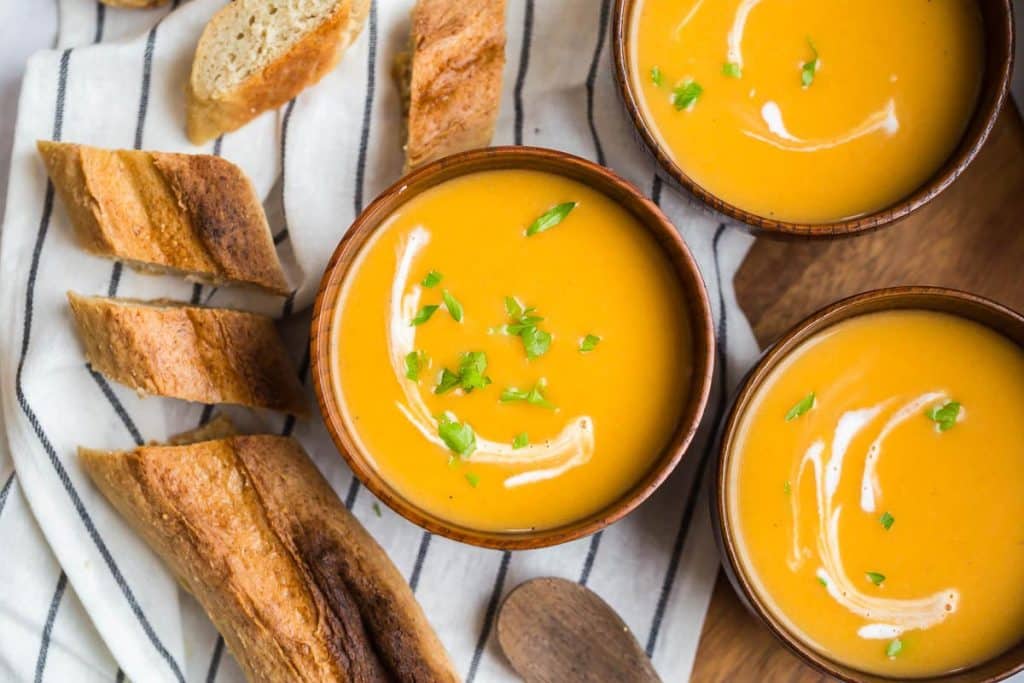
x,y
971,238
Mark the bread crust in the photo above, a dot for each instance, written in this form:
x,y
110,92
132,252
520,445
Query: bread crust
x,y
297,587
303,65
191,214
208,355
454,86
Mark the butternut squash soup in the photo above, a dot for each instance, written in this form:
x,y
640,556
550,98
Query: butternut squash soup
x,y
512,350
874,490
807,111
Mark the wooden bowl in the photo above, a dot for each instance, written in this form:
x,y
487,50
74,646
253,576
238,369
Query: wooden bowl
x,y
597,177
997,17
995,316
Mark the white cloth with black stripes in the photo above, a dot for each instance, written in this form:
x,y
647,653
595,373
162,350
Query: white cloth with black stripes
x,y
83,598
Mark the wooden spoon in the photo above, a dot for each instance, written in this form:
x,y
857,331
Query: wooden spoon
x,y
556,631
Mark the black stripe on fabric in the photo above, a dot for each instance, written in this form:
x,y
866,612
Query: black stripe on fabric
x,y
281,236
218,650
524,66
5,491
656,190
588,561
119,678
592,79
218,145
698,477
197,294
207,413
371,86
357,198
51,616
289,420
286,123
101,19
116,404
26,408
115,279
492,610
147,75
421,557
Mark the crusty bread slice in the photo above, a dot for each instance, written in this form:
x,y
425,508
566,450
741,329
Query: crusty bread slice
x,y
209,355
451,83
255,55
190,214
297,587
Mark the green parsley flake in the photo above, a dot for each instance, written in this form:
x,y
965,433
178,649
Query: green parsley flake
x,y
886,520
534,396
536,341
944,416
822,581
589,343
457,436
875,578
433,279
656,77
802,406
473,479
731,70
513,307
550,218
521,440
453,305
686,95
810,68
469,377
376,508
787,488
415,361
893,648
423,315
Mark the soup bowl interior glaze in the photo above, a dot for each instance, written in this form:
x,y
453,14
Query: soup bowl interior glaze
x,y
998,27
523,158
968,306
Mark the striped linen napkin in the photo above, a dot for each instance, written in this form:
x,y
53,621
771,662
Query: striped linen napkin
x,y
83,598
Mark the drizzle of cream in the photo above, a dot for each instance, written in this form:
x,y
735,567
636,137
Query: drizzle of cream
x,y
888,617
677,32
735,37
574,445
884,120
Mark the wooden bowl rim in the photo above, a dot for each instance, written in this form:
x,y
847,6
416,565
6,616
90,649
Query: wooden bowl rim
x,y
958,303
598,178
990,103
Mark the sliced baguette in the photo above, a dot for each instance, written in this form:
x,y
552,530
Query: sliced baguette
x,y
191,214
256,55
450,84
209,355
297,587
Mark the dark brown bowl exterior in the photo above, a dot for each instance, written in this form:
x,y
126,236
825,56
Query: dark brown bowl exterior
x,y
530,158
997,17
1007,322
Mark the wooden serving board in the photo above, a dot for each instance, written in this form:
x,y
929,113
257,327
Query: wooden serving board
x,y
971,238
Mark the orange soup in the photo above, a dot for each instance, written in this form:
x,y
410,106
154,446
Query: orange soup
x,y
808,111
512,350
875,491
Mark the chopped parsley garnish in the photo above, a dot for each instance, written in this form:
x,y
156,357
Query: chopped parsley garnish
x,y
457,436
875,578
589,343
534,396
944,416
787,488
433,279
893,648
656,77
732,70
686,95
822,581
453,305
536,341
521,440
810,68
550,218
886,520
469,377
376,508
801,407
423,315
415,361
473,479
